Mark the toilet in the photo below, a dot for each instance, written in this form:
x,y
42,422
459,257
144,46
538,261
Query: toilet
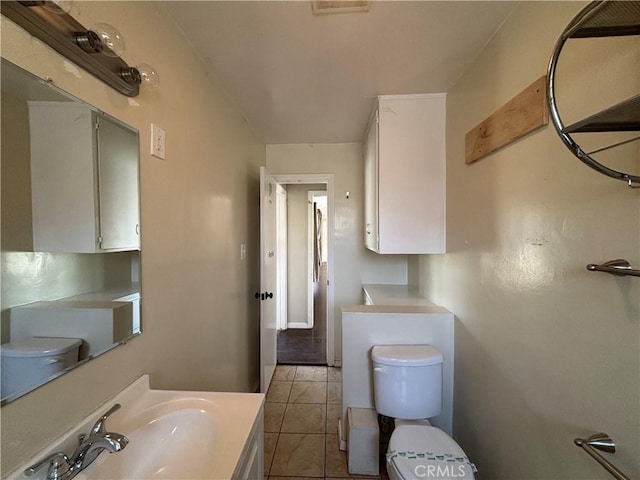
x,y
31,361
407,382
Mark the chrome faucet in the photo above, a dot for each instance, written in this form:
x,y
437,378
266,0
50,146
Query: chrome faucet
x,y
61,467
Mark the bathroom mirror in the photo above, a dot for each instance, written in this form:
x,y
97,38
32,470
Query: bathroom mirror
x,y
70,238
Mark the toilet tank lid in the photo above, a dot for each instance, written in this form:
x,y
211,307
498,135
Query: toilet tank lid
x,y
39,346
406,355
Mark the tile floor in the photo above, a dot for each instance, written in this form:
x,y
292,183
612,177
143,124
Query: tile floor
x,y
301,415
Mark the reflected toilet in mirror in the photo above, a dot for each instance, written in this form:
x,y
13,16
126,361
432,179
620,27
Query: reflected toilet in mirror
x,y
70,256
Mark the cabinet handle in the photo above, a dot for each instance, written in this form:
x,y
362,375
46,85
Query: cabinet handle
x,y
368,229
137,229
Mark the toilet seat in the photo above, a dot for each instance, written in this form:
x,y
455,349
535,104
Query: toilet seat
x,y
423,451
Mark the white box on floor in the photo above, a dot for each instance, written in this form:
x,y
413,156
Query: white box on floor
x,y
363,444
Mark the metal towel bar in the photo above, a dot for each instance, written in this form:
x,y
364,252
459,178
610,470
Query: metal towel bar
x,y
615,267
602,442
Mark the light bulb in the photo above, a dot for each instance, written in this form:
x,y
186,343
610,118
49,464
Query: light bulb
x,y
112,40
149,75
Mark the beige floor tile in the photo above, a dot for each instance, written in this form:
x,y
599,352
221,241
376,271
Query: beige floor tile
x,y
270,441
334,413
284,373
336,460
273,415
278,392
299,454
311,374
305,418
308,392
334,374
334,393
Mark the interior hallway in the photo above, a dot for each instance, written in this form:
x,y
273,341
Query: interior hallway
x,y
301,415
297,346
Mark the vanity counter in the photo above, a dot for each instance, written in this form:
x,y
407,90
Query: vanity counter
x,y
189,435
386,294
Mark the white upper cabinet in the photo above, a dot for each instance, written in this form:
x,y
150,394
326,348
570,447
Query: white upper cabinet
x,y
405,175
84,180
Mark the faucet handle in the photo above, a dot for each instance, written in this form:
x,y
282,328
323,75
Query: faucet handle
x,y
58,464
98,427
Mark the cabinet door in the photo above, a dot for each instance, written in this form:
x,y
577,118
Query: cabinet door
x,y
411,174
371,186
118,186
64,215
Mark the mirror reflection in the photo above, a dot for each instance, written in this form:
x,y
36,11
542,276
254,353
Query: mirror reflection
x,y
70,240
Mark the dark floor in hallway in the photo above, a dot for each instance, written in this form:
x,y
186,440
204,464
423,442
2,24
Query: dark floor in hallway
x,y
298,346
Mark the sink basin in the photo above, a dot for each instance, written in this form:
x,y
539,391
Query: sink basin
x,y
180,435
173,440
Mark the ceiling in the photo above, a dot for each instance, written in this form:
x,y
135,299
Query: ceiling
x,y
305,78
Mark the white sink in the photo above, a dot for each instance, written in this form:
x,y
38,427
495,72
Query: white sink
x,y
179,435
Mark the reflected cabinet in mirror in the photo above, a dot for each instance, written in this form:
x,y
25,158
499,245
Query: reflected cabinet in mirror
x,y
70,232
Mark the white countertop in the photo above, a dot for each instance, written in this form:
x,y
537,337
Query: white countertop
x,y
381,294
108,295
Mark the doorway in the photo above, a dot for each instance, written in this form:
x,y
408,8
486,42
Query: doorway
x,y
303,340
305,326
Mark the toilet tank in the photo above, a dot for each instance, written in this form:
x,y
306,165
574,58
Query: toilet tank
x,y
407,381
29,362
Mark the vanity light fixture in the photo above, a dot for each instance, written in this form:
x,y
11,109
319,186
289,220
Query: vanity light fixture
x,y
101,38
143,74
111,39
58,7
97,50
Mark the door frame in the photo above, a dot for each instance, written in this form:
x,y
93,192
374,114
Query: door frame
x,y
328,180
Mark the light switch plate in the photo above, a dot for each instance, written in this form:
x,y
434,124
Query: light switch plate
x,y
157,141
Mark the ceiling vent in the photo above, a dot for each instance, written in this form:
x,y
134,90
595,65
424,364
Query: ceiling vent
x,y
322,7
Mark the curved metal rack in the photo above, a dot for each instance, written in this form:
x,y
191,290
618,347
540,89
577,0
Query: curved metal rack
x,y
599,19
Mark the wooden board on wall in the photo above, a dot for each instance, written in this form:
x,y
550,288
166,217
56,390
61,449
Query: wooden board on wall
x,y
523,114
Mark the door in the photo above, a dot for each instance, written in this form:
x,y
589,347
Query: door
x,y
268,279
118,186
371,186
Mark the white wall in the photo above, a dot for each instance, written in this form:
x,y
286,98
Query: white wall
x,y
198,206
545,350
354,265
298,251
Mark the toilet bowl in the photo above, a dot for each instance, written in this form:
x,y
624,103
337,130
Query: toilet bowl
x,y
407,383
424,451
